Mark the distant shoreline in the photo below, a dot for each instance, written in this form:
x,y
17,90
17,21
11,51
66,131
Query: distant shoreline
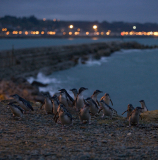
x,y
75,37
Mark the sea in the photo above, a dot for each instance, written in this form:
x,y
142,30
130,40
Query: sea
x,y
127,75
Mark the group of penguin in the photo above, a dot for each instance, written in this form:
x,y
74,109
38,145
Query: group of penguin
x,y
59,103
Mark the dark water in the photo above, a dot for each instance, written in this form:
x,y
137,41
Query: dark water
x,y
128,75
6,44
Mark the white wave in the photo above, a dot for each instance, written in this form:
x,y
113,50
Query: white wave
x,y
43,79
125,51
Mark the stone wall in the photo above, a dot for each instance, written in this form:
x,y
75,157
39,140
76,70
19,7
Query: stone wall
x,y
28,62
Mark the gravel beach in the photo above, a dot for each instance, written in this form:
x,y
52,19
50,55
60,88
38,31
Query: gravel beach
x,y
37,136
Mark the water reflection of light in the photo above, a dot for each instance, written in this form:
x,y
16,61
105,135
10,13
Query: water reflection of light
x,y
70,38
94,38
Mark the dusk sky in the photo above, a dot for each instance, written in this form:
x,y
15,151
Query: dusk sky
x,y
91,10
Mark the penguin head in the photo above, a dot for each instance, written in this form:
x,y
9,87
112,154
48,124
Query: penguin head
x,y
82,89
73,90
130,107
62,90
15,96
96,92
138,109
142,101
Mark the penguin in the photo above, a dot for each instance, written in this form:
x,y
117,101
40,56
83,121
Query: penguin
x,y
55,104
95,94
48,105
23,103
106,99
75,92
64,116
84,113
93,107
65,98
107,110
143,105
134,116
130,108
16,110
79,102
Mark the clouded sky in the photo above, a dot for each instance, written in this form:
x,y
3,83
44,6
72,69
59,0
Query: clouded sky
x,y
91,10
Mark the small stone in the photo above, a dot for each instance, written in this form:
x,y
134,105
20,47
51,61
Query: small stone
x,y
129,134
104,141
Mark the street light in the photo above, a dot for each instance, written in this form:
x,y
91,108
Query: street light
x,y
95,26
71,26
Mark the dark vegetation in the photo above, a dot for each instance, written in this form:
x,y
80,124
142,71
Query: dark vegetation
x,y
32,23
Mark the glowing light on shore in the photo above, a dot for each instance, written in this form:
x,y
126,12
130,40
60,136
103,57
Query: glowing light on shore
x,y
134,27
71,26
26,32
87,33
70,33
54,20
7,33
42,32
4,29
102,33
64,33
78,29
77,33
95,27
44,19
20,32
51,32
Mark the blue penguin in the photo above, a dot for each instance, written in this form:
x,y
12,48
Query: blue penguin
x,y
48,105
65,98
75,92
84,113
22,102
93,107
79,102
106,98
144,108
130,108
16,110
64,116
95,94
107,110
55,103
134,116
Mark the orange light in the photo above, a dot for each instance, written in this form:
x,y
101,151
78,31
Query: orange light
x,y
70,33
15,32
78,29
7,33
44,19
64,33
20,32
51,32
77,33
26,32
4,29
102,33
37,32
87,33
54,20
42,32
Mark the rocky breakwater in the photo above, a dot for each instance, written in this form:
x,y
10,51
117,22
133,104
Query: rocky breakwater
x,y
28,62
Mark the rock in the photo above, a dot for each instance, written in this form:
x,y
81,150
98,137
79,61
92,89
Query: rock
x,y
129,134
38,84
